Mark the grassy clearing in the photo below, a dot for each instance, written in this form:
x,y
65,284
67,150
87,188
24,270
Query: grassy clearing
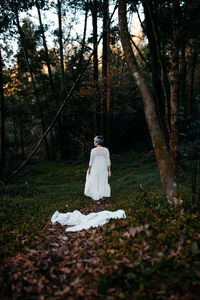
x,y
163,258
45,187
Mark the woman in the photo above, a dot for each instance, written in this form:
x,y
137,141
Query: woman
x,y
99,170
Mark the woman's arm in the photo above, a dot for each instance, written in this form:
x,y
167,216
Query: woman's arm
x,y
109,171
91,161
89,169
108,162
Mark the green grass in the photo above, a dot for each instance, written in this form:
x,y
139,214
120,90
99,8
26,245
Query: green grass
x,y
45,187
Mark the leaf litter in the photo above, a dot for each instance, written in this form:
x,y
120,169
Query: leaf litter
x,y
120,260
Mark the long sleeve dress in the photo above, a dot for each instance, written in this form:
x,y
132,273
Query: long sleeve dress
x,y
96,185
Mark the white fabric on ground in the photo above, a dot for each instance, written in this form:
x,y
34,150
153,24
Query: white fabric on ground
x,y
80,221
96,185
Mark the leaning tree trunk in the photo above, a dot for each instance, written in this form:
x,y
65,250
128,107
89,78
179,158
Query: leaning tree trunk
x,y
158,138
2,144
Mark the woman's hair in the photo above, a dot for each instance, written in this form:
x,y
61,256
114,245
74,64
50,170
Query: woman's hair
x,y
99,139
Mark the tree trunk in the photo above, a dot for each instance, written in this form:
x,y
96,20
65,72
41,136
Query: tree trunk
x,y
191,82
158,70
2,127
108,86
33,85
50,80
45,49
84,37
158,138
61,45
174,132
95,64
104,67
183,74
62,69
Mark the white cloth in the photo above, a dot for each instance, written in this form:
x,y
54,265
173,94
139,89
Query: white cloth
x,y
96,185
80,221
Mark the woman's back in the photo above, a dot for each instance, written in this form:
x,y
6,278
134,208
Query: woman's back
x,y
100,152
97,185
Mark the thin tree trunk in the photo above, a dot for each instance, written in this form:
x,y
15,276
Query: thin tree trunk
x,y
104,68
45,50
84,37
158,138
105,38
62,69
174,132
2,126
95,63
108,86
191,88
33,85
50,80
61,45
183,74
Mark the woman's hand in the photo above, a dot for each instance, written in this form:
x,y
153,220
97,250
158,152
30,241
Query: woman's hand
x,y
109,173
89,170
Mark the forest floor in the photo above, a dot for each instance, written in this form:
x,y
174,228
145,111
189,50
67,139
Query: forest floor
x,y
152,254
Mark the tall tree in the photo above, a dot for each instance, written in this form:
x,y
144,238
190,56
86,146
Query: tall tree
x,y
108,81
51,77
158,69
93,8
174,93
163,156
26,56
60,37
105,70
83,43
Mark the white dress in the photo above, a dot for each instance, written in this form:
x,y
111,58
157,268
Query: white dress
x,y
78,221
96,185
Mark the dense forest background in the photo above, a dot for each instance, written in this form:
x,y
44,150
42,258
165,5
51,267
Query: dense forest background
x,y
127,70
41,62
